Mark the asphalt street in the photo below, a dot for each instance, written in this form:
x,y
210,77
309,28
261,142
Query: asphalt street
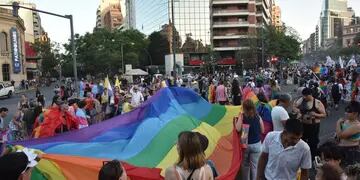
x,y
11,103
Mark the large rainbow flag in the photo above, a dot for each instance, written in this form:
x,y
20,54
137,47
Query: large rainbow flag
x,y
145,139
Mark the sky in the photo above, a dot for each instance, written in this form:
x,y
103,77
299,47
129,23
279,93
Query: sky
x,y
303,15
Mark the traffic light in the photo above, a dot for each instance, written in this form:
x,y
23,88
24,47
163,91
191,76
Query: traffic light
x,y
15,6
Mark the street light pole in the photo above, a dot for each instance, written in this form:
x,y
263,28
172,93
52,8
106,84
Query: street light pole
x,y
16,7
173,34
262,46
73,51
122,58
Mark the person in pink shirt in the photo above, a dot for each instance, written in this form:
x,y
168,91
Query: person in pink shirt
x,y
221,93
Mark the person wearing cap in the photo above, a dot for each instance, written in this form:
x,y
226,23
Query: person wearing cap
x,y
18,165
311,111
348,131
279,115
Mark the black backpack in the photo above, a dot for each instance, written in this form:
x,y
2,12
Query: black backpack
x,y
335,90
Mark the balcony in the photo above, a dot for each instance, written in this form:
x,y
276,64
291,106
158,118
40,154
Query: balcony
x,y
215,2
230,35
230,48
235,12
4,54
229,24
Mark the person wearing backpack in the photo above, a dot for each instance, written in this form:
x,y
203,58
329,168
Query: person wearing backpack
x,y
336,90
255,123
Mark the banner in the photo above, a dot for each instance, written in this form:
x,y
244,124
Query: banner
x,y
16,56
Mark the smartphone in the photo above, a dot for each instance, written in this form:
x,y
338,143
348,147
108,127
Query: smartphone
x,y
318,161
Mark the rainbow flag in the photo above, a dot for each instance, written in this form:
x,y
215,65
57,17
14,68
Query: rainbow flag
x,y
145,139
323,86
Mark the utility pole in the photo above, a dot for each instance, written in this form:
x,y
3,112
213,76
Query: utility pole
x,y
70,17
122,58
262,46
173,35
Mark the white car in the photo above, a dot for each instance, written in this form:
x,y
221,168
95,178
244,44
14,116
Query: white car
x,y
6,90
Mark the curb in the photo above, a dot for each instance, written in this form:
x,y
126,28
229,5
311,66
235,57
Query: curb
x,y
24,91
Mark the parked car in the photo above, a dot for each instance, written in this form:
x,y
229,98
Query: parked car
x,y
6,90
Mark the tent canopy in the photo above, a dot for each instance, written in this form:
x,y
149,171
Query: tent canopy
x,y
136,72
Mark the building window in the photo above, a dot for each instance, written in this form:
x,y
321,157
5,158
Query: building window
x,y
6,72
3,42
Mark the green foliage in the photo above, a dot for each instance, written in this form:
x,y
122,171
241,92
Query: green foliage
x,y
158,47
50,57
283,44
100,52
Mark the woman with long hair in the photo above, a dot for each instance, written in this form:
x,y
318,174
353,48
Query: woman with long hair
x,y
191,163
251,155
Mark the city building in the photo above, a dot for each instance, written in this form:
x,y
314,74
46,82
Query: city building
x,y
130,18
276,16
334,15
32,20
236,24
12,47
33,32
109,14
191,20
349,33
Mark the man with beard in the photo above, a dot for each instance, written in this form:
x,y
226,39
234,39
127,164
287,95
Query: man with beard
x,y
311,111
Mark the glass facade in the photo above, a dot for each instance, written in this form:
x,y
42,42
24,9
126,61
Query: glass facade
x,y
151,15
192,17
332,9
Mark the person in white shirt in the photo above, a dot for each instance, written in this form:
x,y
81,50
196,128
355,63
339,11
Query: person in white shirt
x,y
279,115
137,97
284,153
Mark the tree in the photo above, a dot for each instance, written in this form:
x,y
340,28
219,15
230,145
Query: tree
x,y
158,47
50,56
100,52
282,44
191,46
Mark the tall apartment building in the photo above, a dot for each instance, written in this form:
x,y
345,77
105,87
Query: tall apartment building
x,y
235,22
109,14
276,16
130,19
349,34
334,15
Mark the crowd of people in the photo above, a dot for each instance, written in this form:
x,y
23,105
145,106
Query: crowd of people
x,y
281,142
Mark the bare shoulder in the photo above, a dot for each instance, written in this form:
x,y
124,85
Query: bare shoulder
x,y
170,173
